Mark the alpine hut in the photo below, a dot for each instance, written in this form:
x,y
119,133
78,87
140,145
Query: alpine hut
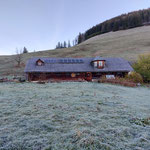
x,y
75,68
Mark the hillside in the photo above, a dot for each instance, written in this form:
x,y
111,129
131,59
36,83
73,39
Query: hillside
x,y
127,44
123,22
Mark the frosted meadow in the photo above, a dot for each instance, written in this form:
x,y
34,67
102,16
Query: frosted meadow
x,y
74,116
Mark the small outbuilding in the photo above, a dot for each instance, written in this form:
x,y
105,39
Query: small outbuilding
x,y
43,68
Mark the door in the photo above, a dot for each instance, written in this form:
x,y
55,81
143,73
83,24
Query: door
x,y
88,76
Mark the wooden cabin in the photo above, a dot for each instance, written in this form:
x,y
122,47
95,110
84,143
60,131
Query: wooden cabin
x,y
40,69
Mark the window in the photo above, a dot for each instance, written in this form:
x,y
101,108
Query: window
x,y
110,77
95,64
100,64
40,63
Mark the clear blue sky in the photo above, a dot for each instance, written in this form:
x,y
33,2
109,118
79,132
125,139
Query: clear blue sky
x,y
40,24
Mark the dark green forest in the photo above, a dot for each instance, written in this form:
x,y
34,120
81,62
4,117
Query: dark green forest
x,y
122,22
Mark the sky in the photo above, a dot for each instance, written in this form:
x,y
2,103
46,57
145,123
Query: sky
x,y
41,24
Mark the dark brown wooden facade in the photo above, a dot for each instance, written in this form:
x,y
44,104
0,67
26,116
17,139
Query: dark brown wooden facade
x,y
60,76
88,76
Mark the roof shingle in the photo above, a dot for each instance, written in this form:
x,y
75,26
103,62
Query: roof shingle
x,y
59,65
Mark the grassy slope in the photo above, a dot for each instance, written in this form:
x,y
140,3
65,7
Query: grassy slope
x,y
127,44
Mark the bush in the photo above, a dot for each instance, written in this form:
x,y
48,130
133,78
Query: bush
x,y
119,81
135,77
142,66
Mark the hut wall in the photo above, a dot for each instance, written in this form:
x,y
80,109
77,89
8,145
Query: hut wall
x,y
71,76
55,76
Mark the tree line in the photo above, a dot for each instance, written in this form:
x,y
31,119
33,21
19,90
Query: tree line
x,y
122,22
63,45
67,44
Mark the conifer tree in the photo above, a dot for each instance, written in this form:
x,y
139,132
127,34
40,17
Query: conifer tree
x,y
79,38
61,45
65,44
25,50
69,45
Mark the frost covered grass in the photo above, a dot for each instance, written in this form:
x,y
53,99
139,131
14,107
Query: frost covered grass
x,y
73,116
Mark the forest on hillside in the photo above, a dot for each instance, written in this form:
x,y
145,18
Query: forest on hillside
x,y
122,22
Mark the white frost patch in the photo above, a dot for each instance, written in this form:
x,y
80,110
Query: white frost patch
x,y
73,116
